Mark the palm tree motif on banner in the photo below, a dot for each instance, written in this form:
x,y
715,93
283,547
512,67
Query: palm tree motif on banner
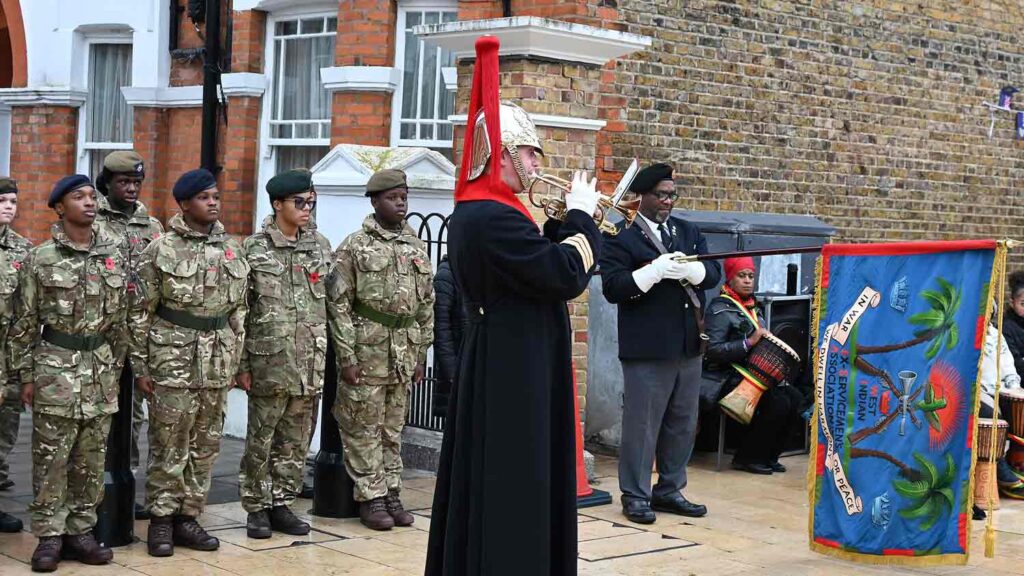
x,y
929,492
937,327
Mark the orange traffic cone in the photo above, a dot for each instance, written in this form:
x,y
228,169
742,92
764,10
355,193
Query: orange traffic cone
x,y
585,495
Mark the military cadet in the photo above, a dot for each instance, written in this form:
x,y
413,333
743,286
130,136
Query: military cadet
x,y
66,344
381,305
13,250
282,364
187,333
120,209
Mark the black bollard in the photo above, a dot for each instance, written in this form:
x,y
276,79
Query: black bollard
x,y
115,525
332,486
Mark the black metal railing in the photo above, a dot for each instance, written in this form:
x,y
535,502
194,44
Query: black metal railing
x,y
432,229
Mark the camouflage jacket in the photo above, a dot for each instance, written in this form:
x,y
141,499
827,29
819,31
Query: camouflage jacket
x,y
199,274
13,251
388,271
286,330
136,230
75,291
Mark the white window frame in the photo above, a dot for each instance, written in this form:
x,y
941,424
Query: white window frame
x,y
86,148
404,7
267,161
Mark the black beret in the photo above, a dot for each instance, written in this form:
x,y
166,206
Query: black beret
x,y
291,182
193,182
65,185
8,186
387,179
649,177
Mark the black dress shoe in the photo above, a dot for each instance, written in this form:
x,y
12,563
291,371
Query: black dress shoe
x,y
679,505
763,469
638,511
777,466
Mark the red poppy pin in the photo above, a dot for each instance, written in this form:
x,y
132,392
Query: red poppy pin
x,y
156,235
229,254
108,263
16,264
314,277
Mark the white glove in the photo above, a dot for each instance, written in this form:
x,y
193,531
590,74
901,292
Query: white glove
x,y
583,195
694,272
662,267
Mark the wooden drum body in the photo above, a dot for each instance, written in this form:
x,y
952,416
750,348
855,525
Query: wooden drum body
x,y
986,465
770,362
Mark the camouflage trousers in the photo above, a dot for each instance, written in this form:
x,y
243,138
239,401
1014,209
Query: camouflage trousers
x,y
185,428
10,418
276,442
67,473
370,420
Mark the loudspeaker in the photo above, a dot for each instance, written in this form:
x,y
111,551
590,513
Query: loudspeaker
x,y
789,318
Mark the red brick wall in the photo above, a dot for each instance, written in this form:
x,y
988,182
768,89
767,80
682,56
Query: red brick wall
x,y
238,180
149,131
249,30
42,151
366,37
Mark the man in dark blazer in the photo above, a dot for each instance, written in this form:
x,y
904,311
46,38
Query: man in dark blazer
x,y
661,303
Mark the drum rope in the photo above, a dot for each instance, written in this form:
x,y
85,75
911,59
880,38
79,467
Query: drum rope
x,y
990,490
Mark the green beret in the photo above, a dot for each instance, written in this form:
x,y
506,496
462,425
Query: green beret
x,y
8,186
291,182
386,179
124,162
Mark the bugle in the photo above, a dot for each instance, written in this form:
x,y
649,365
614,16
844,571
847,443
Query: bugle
x,y
554,205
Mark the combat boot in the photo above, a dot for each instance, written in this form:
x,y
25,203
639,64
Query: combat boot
x,y
257,525
283,520
374,515
10,523
85,549
394,507
158,539
47,554
188,533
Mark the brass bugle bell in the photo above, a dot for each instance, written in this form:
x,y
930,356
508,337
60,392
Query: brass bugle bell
x,y
554,206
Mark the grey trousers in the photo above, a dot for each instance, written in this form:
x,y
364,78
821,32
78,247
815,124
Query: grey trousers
x,y
659,420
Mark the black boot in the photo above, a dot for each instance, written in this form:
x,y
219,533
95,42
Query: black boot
x,y
283,520
188,533
159,539
257,525
10,524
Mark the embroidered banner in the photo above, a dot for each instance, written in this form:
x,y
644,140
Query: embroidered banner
x,y
900,329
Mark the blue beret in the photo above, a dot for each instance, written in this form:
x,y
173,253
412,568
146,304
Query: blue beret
x,y
193,182
65,185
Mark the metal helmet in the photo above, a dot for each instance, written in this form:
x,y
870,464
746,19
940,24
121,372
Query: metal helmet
x,y
517,129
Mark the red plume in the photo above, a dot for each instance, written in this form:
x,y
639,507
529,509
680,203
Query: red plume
x,y
484,95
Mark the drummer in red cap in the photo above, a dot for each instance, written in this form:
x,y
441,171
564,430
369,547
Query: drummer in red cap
x,y
735,324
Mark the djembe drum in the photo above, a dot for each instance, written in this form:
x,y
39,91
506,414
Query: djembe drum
x,y
986,465
769,362
1011,407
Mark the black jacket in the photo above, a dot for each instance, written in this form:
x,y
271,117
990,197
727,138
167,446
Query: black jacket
x,y
660,324
1013,331
726,328
449,322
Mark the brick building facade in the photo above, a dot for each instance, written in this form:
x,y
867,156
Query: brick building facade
x,y
867,115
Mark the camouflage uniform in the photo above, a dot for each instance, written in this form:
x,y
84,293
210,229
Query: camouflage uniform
x,y
385,274
285,348
187,333
136,231
13,251
78,299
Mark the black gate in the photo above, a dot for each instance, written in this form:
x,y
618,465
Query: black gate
x,y
432,229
